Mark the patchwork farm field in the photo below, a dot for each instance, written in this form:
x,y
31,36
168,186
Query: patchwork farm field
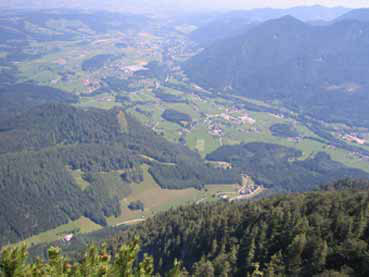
x,y
140,71
200,137
214,120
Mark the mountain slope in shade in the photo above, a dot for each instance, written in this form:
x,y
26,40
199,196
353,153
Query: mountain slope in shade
x,y
317,70
239,22
18,98
357,14
43,147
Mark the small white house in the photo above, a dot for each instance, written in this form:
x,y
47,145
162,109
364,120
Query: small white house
x,y
68,238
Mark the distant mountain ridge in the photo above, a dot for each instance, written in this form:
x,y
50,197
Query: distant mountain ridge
x,y
357,14
238,22
304,13
317,70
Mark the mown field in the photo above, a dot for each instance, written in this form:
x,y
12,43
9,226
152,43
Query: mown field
x,y
60,66
156,199
80,226
198,137
149,192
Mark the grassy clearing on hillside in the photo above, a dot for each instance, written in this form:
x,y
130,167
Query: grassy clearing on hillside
x,y
266,120
200,145
74,85
171,130
97,103
82,225
156,199
348,159
199,139
77,175
114,185
122,121
212,191
208,107
185,108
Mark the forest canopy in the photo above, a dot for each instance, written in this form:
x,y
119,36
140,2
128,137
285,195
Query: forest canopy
x,y
44,145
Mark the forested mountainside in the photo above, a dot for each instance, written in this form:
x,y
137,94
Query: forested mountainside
x,y
322,233
42,147
281,168
357,15
18,98
215,30
318,71
238,22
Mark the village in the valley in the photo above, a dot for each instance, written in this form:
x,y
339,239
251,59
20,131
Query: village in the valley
x,y
232,116
247,190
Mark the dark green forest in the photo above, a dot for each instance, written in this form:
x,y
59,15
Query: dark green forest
x,y
169,98
41,146
284,130
279,168
176,117
319,71
60,161
322,233
18,98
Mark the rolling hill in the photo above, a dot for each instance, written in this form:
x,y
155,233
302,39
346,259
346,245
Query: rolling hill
x,y
43,147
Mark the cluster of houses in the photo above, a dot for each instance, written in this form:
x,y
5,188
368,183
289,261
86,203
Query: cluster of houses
x,y
91,85
246,192
233,116
354,139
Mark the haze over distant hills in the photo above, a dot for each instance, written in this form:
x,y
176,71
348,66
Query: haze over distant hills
x,y
320,71
122,123
304,13
357,14
142,6
237,22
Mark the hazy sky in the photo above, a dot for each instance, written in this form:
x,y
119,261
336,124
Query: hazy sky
x,y
247,4
183,4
